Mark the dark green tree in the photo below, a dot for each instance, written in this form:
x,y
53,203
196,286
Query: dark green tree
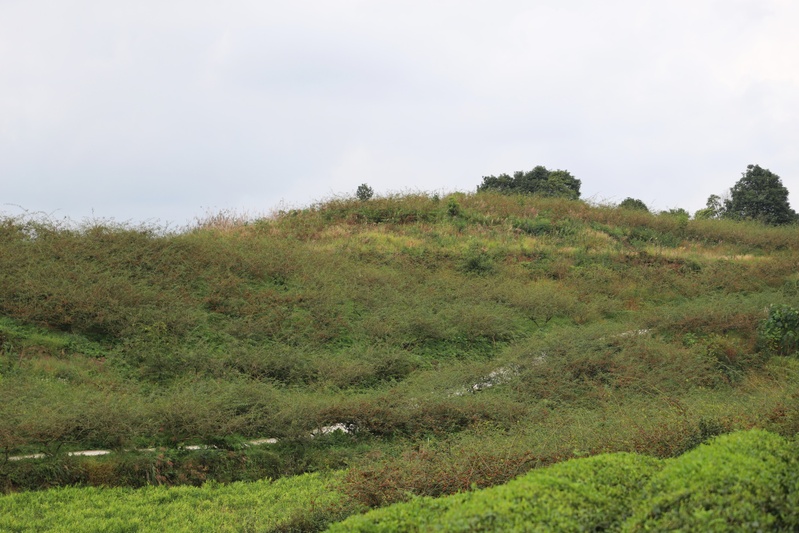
x,y
540,181
677,212
364,192
633,203
759,195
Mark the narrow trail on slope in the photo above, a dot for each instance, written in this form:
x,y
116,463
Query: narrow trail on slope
x,y
497,377
257,442
94,453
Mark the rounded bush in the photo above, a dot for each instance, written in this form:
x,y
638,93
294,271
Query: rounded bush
x,y
742,481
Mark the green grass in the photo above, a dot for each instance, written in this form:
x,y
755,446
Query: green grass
x,y
300,503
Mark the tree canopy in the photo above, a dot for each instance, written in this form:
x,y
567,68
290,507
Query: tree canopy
x,y
714,208
759,195
364,192
539,181
633,203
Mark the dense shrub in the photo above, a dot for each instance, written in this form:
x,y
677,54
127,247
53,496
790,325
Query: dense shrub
x,y
634,204
738,482
226,463
540,181
442,467
592,494
780,331
303,503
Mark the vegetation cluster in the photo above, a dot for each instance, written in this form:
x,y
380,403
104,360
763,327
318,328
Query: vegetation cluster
x,y
300,503
462,341
745,481
737,482
539,181
758,195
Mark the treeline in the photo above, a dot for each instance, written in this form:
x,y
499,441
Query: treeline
x,y
759,194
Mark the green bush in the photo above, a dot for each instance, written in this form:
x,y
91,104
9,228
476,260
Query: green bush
x,y
633,204
780,331
533,226
540,181
302,503
364,192
477,261
592,494
744,481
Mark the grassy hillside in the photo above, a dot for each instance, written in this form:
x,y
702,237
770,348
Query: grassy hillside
x,y
462,340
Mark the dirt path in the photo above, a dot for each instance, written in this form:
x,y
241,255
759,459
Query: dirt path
x,y
94,453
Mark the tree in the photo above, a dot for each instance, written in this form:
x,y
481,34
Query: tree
x,y
633,203
759,195
713,209
364,192
540,181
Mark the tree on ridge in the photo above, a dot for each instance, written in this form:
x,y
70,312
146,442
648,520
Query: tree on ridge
x,y
540,181
759,195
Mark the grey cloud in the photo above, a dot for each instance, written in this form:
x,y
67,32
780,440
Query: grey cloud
x,y
161,109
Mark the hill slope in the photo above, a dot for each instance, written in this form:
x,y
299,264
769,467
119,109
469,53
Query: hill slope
x,y
461,340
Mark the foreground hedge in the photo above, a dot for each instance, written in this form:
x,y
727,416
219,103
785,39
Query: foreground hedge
x,y
579,495
746,481
299,503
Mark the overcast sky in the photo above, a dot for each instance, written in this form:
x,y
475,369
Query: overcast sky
x,y
163,110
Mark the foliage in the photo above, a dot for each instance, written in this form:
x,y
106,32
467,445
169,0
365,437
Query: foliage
x,y
633,203
464,339
677,212
780,331
714,208
453,207
592,494
364,192
305,503
760,195
741,481
540,181
477,261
